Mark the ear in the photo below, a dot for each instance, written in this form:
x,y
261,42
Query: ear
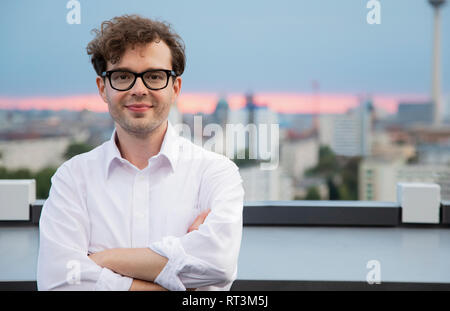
x,y
101,88
176,88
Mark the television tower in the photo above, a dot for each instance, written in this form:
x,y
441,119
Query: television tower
x,y
436,87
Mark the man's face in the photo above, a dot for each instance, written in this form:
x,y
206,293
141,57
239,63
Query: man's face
x,y
155,55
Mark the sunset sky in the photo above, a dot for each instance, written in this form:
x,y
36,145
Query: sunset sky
x,y
206,102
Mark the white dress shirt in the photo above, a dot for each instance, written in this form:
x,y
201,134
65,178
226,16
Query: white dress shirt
x,y
99,200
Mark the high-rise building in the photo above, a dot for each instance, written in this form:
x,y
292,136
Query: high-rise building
x,y
348,134
436,87
415,114
221,112
258,115
250,107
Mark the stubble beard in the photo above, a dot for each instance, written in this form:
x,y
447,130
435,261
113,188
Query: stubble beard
x,y
138,124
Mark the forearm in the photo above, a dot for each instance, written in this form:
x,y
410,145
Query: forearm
x,y
138,263
141,285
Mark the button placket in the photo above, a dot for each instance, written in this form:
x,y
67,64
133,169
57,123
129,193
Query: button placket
x,y
140,210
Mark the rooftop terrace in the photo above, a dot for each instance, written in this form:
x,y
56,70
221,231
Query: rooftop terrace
x,y
296,245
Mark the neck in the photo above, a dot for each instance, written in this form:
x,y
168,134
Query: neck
x,y
137,150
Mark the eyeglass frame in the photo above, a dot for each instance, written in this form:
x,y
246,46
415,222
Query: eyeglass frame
x,y
169,73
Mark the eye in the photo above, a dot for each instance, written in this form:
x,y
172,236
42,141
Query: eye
x,y
121,76
155,76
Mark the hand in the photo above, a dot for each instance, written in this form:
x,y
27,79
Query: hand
x,y
101,258
199,220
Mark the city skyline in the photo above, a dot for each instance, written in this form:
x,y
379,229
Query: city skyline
x,y
191,102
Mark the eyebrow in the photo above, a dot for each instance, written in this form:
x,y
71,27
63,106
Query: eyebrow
x,y
128,69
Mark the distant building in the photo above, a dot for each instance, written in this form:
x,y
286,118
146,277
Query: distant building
x,y
392,145
430,134
435,154
260,185
348,134
378,178
446,109
299,155
302,187
257,115
221,112
409,114
250,125
36,154
296,122
250,107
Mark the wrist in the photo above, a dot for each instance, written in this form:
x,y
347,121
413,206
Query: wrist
x,y
140,285
104,258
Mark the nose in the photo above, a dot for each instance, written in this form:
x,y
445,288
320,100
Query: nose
x,y
139,88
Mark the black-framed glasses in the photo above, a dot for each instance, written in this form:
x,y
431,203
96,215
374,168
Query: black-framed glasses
x,y
123,80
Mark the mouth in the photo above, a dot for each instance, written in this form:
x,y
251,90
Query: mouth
x,y
139,107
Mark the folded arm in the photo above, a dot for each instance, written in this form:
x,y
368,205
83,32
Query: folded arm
x,y
206,255
142,264
63,261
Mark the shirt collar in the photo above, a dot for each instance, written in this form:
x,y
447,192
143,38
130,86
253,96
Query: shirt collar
x,y
169,149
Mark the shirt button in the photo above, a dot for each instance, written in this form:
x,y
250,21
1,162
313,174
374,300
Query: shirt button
x,y
141,177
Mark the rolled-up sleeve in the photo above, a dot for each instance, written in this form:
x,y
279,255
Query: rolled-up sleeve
x,y
63,262
209,255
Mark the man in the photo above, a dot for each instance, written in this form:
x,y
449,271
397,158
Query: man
x,y
147,210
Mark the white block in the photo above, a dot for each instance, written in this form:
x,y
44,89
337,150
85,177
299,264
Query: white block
x,y
420,202
16,195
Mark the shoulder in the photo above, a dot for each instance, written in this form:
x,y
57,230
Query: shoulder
x,y
207,162
218,176
84,161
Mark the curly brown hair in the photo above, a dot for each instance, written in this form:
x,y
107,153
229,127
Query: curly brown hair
x,y
121,32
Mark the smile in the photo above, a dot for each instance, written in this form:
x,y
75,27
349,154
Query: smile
x,y
139,108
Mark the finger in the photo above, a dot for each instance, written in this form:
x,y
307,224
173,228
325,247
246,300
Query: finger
x,y
199,220
204,214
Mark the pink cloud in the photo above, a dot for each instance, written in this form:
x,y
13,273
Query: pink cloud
x,y
206,102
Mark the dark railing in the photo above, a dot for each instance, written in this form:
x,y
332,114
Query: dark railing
x,y
319,213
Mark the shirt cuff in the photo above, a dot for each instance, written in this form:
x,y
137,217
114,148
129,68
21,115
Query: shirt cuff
x,y
168,277
170,248
110,281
